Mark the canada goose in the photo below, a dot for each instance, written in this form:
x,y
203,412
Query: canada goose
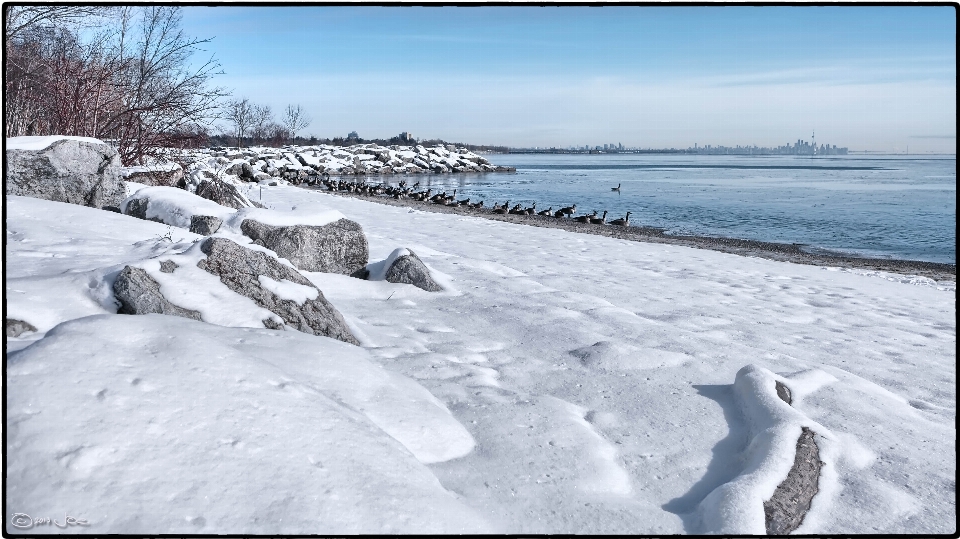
x,y
531,210
622,222
464,202
600,221
501,209
569,210
477,206
547,212
517,210
617,188
585,218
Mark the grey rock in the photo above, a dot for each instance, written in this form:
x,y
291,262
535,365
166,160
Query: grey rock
x,y
784,393
785,510
205,225
222,193
138,293
14,328
167,266
338,247
72,171
159,176
239,269
409,269
137,207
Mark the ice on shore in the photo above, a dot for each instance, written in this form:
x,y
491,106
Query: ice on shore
x,y
574,384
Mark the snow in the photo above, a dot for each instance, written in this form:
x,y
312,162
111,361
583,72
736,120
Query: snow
x,y
566,384
157,424
39,143
286,289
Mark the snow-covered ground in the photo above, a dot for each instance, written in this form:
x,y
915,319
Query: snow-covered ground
x,y
563,383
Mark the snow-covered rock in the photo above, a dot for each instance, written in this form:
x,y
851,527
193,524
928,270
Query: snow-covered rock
x,y
337,247
402,266
158,174
298,302
77,170
223,193
138,293
172,206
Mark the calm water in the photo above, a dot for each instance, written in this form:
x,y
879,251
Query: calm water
x,y
877,206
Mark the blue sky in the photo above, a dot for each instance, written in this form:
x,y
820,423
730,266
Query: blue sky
x,y
880,78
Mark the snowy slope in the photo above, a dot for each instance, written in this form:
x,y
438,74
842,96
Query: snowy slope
x,y
595,378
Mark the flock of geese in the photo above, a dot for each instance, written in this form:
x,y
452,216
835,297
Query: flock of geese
x,y
403,192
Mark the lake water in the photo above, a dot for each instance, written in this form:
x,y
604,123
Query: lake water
x,y
876,206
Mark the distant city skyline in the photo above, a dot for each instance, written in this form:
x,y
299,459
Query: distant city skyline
x,y
878,78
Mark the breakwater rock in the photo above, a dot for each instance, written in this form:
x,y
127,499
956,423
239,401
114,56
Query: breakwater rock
x,y
303,164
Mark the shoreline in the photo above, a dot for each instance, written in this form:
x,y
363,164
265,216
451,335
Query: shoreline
x,y
782,252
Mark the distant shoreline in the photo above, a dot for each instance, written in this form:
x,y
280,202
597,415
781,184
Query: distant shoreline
x,y
783,252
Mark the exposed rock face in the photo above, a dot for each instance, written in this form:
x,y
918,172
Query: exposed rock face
x,y
14,328
223,193
205,225
72,171
785,510
138,293
240,269
409,269
338,247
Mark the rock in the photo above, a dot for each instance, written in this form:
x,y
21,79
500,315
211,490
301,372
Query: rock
x,y
73,171
223,193
337,247
167,266
784,392
205,225
138,208
409,269
14,328
138,293
168,174
784,511
240,269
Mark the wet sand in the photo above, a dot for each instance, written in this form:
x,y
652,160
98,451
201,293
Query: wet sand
x,y
774,251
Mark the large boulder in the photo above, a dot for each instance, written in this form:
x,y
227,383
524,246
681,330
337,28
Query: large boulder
x,y
76,170
260,277
337,247
138,293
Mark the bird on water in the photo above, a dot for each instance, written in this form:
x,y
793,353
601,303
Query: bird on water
x,y
617,188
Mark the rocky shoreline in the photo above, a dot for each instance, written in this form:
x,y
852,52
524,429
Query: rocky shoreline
x,y
783,252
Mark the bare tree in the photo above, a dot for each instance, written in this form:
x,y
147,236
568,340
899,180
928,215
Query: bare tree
x,y
295,119
260,122
240,113
132,82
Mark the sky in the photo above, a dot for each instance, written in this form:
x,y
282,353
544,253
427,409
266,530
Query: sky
x,y
879,78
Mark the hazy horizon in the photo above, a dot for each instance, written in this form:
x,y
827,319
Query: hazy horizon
x,y
879,78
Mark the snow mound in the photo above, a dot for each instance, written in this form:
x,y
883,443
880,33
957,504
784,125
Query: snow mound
x,y
736,507
157,424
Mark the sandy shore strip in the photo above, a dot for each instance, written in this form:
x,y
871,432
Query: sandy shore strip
x,y
784,252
